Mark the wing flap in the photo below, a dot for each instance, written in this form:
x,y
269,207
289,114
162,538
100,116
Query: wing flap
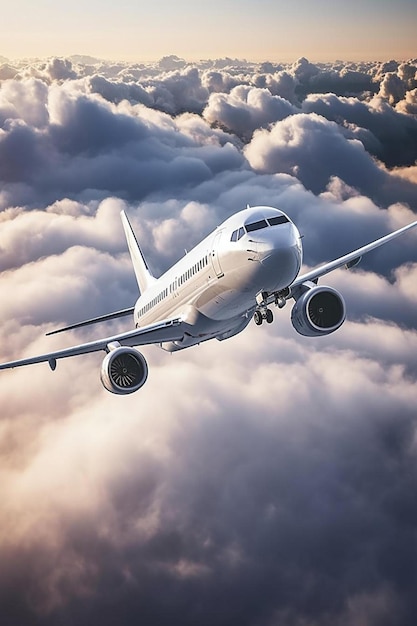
x,y
166,330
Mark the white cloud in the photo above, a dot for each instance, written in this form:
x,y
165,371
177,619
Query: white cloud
x,y
237,458
409,104
245,109
392,88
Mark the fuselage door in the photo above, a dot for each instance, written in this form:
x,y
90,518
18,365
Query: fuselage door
x,y
215,254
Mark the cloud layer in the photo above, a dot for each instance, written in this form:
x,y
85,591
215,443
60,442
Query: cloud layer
x,y
265,480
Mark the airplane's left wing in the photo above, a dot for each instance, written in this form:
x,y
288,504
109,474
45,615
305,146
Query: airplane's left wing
x,y
165,330
350,259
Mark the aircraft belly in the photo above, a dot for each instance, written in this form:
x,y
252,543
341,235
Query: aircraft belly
x,y
206,329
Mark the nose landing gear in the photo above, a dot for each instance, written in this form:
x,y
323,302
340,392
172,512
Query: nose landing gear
x,y
262,312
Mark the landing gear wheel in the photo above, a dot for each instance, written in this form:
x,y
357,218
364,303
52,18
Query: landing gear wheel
x,y
257,316
269,316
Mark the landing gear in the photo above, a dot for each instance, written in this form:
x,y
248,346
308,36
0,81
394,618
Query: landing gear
x,y
260,315
281,297
262,312
257,316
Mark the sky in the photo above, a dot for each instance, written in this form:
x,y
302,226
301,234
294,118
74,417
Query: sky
x,y
263,30
266,480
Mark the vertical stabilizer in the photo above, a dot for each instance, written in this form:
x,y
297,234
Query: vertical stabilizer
x,y
142,272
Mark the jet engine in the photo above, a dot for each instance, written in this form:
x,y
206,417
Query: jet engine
x,y
318,310
124,370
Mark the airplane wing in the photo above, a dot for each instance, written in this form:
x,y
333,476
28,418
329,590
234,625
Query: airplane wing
x,y
348,260
165,330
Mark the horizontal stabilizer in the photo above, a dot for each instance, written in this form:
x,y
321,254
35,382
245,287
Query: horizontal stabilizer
x,y
94,320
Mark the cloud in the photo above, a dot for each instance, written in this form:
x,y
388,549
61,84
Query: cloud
x,y
212,501
385,134
60,69
408,73
179,91
392,88
7,71
117,91
409,104
87,144
314,150
266,479
25,101
245,109
216,81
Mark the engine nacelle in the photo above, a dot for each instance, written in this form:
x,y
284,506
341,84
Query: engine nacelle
x,y
124,370
318,310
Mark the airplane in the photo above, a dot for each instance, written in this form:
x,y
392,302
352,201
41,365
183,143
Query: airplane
x,y
248,263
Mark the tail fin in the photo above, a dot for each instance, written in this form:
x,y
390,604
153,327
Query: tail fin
x,y
143,274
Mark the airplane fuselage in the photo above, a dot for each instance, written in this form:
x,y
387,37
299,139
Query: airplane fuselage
x,y
249,262
213,288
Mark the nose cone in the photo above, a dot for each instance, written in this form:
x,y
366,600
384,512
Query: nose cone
x,y
280,254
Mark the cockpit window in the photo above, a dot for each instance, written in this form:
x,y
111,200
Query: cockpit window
x,y
237,234
279,219
270,221
256,226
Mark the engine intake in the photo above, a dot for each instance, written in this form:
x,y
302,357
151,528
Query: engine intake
x,y
318,310
124,370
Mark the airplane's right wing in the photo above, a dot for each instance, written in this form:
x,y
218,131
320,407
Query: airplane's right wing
x,y
165,330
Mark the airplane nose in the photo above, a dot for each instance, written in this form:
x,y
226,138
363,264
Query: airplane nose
x,y
280,256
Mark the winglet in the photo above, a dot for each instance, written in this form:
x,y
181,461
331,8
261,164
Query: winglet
x,y
143,274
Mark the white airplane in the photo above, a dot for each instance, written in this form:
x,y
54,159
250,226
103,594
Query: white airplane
x,y
252,260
